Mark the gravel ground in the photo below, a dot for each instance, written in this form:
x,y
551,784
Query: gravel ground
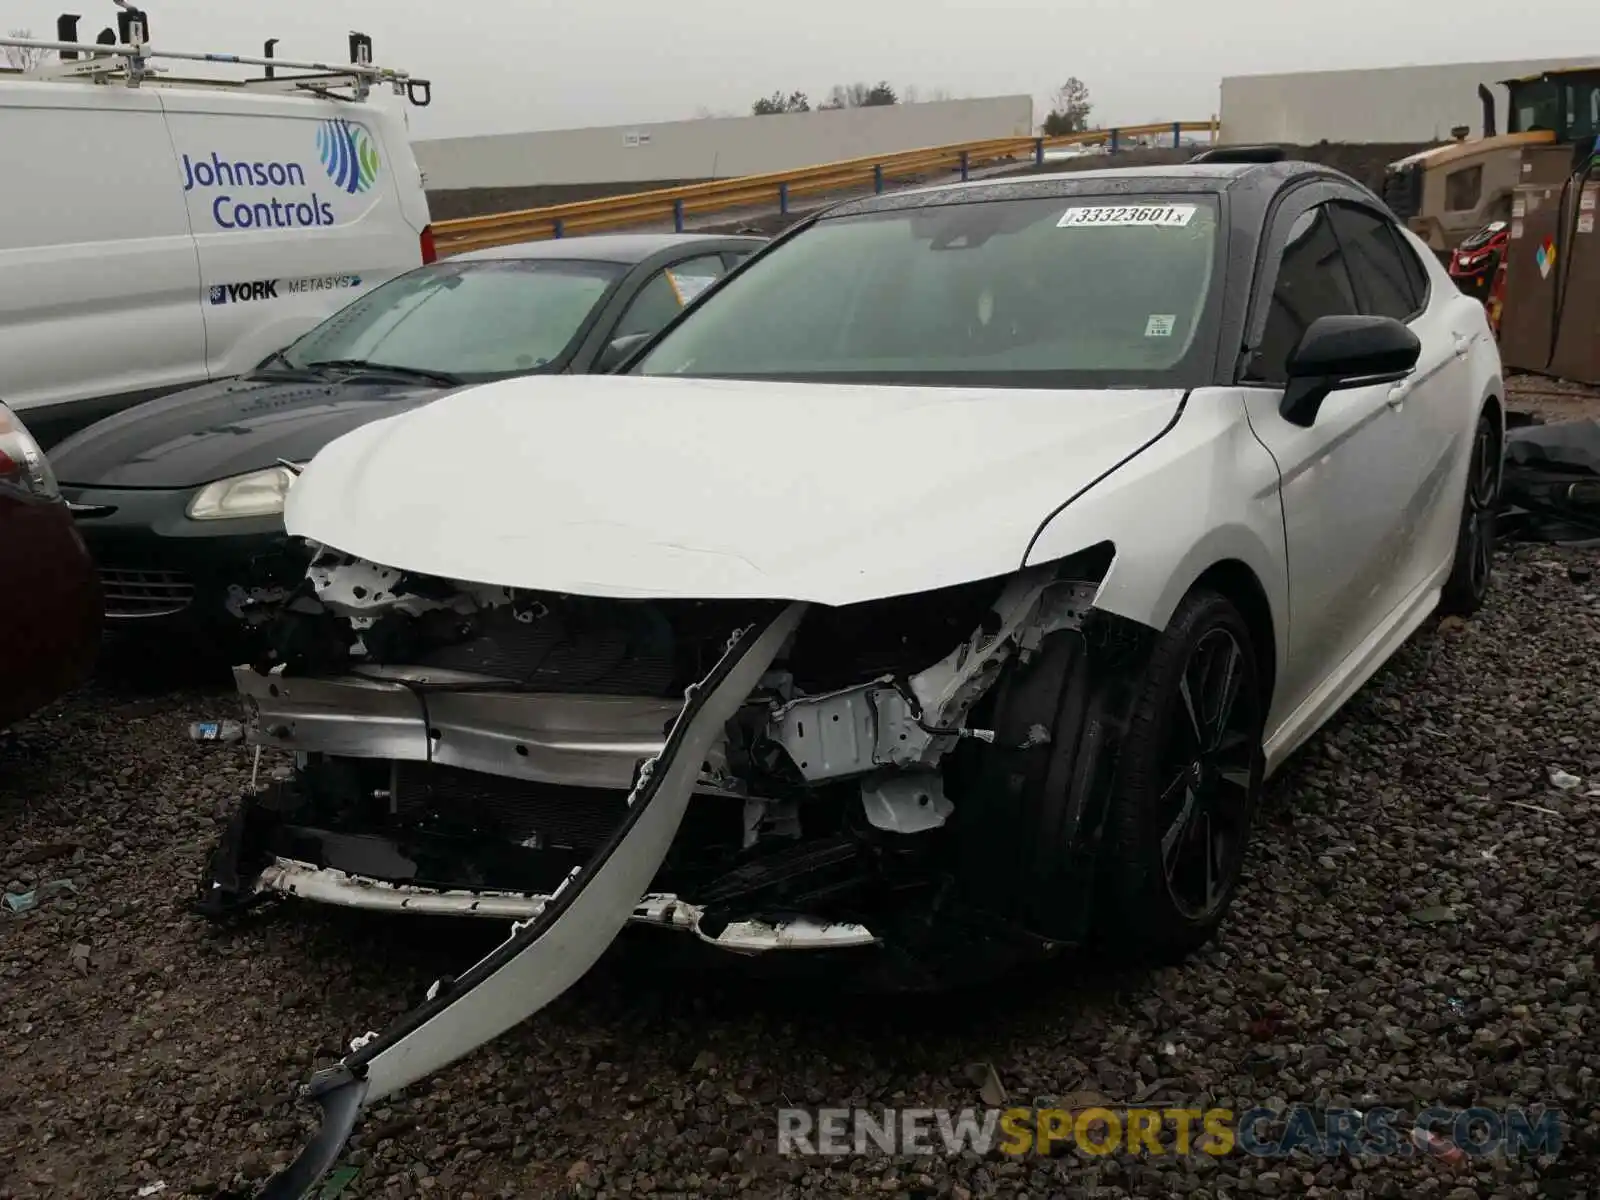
x,y
1419,927
1552,399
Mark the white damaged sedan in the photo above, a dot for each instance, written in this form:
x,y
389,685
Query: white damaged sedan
x,y
944,583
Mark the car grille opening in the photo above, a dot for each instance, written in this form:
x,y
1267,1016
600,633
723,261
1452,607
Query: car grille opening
x,y
595,647
130,593
515,809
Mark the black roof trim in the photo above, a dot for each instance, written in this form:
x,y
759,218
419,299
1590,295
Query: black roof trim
x,y
1199,179
1242,154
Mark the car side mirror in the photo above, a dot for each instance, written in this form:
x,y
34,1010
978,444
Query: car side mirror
x,y
1345,352
618,350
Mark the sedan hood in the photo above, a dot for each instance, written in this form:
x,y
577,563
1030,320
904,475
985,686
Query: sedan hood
x,y
221,429
634,487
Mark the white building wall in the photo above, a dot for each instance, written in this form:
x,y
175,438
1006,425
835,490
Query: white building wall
x,y
1390,104
715,148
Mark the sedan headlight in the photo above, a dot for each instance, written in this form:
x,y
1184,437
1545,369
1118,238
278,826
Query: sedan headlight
x,y
258,494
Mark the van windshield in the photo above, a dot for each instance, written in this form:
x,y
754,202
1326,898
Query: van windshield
x,y
472,320
1058,292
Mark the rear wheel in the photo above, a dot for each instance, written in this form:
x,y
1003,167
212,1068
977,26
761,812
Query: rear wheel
x,y
1468,584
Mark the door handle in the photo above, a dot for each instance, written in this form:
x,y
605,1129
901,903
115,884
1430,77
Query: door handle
x,y
1397,395
1464,344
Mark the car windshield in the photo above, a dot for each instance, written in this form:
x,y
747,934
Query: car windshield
x,y
470,320
1074,291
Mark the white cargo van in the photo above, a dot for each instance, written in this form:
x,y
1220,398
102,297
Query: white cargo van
x,y
158,233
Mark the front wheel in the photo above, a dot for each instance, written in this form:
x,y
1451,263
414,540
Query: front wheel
x,y
1468,584
1188,782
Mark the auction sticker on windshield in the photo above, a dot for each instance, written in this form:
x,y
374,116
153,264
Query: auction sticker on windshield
x,y
1161,216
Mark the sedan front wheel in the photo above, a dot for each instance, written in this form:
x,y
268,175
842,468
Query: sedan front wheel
x,y
1187,786
1468,585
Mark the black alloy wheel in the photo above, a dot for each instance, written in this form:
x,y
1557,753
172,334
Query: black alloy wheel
x,y
1209,762
1188,782
1468,584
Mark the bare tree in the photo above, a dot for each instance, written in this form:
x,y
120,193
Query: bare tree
x,y
861,95
848,95
1069,110
23,58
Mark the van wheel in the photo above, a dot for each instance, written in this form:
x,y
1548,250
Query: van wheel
x,y
1468,584
1179,818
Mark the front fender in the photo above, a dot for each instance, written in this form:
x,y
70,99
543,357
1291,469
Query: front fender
x,y
1206,493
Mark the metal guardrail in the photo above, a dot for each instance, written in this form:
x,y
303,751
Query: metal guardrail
x,y
676,203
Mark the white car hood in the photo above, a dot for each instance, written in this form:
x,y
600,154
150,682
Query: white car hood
x,y
683,488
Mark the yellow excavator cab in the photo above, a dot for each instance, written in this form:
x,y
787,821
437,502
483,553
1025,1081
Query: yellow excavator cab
x,y
1446,193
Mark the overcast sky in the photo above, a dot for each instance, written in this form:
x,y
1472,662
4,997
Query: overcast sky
x,y
552,64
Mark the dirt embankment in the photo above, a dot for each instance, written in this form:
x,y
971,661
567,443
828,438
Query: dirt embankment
x,y
1364,161
449,205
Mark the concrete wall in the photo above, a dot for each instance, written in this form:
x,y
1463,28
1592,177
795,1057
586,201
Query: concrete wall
x,y
1392,104
716,148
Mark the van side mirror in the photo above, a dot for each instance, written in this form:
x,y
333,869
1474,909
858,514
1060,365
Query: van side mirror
x,y
1345,352
618,350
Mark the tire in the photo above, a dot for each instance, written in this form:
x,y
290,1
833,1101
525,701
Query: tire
x,y
1020,849
1473,569
1065,842
1186,789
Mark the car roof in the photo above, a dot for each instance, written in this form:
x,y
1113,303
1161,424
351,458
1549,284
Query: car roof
x,y
1200,178
609,247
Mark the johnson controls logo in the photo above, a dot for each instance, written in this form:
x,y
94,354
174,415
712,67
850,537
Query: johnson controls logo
x,y
348,155
257,193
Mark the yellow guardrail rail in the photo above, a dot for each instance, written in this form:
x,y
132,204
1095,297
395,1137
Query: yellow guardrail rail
x,y
676,203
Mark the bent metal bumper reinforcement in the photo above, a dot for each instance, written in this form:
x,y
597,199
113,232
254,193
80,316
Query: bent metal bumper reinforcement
x,y
546,955
581,741
662,910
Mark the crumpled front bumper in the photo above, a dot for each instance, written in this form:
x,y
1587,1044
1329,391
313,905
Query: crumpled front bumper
x,y
549,952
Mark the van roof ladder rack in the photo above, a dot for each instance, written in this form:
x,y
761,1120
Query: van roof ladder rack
x,y
124,55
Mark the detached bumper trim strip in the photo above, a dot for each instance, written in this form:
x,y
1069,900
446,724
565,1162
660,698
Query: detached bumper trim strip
x,y
544,956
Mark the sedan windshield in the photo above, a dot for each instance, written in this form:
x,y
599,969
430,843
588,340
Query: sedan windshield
x,y
470,321
1074,291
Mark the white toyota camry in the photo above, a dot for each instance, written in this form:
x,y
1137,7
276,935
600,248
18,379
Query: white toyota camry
x,y
1002,537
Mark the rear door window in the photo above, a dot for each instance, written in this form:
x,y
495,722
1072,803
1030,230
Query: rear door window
x,y
1372,249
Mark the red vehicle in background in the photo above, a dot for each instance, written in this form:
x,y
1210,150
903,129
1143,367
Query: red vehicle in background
x,y
1479,268
50,609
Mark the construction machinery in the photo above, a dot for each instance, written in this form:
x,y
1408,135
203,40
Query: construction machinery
x,y
1448,193
1552,265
